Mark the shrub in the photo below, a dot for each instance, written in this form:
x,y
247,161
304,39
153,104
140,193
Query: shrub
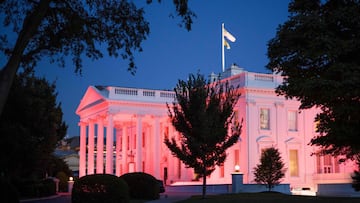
x,y
9,191
47,187
271,170
100,188
142,185
63,181
356,180
36,188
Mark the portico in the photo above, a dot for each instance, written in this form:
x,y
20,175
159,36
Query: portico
x,y
117,139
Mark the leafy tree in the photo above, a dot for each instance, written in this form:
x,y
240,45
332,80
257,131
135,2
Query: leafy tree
x,y
30,127
356,176
56,29
203,114
270,170
318,52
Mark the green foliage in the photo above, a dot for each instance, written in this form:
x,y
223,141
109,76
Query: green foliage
x,y
142,185
58,29
100,188
270,170
9,192
36,188
318,52
32,30
203,113
356,180
356,176
57,165
63,181
30,125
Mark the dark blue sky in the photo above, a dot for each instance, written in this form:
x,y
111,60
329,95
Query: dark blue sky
x,y
171,53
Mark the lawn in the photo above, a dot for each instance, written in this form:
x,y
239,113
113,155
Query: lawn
x,y
269,198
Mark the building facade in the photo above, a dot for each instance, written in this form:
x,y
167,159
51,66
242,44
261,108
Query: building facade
x,y
123,129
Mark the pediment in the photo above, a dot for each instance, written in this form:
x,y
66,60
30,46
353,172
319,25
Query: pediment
x,y
264,139
93,96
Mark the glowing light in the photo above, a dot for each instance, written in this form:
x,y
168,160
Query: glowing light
x,y
237,168
71,178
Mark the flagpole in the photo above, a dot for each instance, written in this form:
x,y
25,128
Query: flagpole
x,y
222,48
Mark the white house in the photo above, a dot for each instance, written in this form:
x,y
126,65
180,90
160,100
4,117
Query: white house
x,y
135,121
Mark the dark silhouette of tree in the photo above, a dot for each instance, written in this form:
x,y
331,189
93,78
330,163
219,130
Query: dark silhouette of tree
x,y
270,170
57,29
203,115
318,50
30,127
356,176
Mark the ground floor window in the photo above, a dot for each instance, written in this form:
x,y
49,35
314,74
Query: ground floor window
x,y
294,163
327,164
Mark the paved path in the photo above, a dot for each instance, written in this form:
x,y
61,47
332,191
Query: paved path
x,y
61,198
66,198
173,197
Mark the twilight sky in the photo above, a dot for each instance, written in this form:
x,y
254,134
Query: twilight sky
x,y
171,53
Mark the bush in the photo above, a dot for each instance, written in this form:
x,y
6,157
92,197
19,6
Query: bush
x,y
36,188
47,187
63,181
142,185
9,191
356,180
100,188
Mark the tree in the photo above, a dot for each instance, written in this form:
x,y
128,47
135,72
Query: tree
x,y
203,115
356,176
270,170
317,51
56,29
31,125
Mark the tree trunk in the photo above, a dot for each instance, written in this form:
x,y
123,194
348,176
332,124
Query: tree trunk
x,y
204,184
30,26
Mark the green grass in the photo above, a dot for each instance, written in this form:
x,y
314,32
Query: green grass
x,y
138,201
268,198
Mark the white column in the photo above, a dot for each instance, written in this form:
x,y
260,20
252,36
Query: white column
x,y
91,147
156,155
82,164
118,147
138,160
109,145
124,148
100,147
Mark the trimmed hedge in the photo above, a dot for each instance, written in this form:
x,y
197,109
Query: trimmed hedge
x,y
36,188
100,188
142,185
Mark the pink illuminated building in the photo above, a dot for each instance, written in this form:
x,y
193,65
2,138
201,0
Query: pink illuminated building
x,y
122,130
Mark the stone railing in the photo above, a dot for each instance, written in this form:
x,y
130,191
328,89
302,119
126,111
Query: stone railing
x,y
123,93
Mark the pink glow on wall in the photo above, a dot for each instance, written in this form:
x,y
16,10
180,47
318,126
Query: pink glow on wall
x,y
140,121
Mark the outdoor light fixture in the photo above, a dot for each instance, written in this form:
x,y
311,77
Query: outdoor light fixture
x,y
71,178
237,168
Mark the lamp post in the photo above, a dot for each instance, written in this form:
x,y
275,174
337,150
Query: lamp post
x,y
70,184
237,180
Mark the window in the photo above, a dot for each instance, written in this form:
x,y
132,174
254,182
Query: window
x,y
327,164
264,119
128,142
292,121
236,157
236,118
143,140
222,171
294,163
179,169
316,125
166,132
